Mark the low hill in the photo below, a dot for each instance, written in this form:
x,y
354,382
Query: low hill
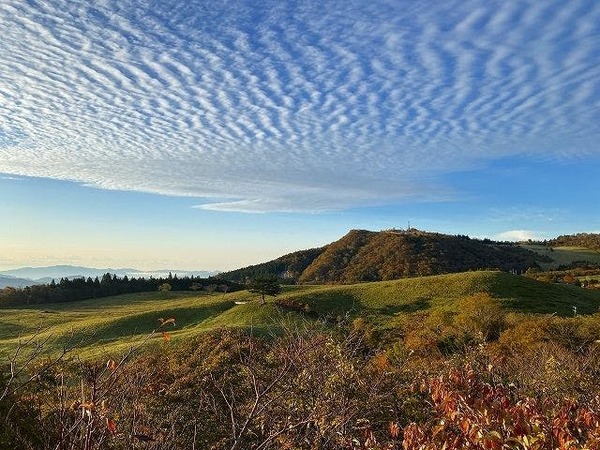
x,y
389,298
564,257
364,255
567,251
111,325
586,240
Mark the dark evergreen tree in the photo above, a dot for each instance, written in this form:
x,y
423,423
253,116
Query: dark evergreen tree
x,y
264,285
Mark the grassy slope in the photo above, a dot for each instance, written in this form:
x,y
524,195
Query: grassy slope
x,y
109,326
564,255
383,301
114,324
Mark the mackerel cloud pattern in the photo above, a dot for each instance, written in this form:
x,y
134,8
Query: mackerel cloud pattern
x,y
292,106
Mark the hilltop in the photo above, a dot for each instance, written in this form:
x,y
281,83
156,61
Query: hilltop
x,y
363,255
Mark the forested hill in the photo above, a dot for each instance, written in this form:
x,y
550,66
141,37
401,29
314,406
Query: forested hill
x,y
288,267
586,240
386,255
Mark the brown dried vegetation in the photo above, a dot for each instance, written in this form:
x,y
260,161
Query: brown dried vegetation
x,y
475,379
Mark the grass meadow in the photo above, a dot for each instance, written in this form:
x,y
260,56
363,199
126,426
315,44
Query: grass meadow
x,y
395,364
563,256
109,326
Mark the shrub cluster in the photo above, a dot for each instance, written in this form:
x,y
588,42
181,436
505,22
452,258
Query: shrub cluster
x,y
476,379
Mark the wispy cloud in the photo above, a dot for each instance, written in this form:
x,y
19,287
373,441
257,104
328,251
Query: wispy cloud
x,y
292,106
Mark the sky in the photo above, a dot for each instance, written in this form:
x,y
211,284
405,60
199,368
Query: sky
x,y
210,134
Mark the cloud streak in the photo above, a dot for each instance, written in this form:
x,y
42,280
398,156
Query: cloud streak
x,y
292,106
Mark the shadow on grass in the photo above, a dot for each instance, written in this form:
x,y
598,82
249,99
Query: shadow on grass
x,y
565,305
9,330
138,325
332,303
418,304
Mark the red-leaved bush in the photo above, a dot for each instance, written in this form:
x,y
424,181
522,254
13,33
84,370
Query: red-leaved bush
x,y
475,414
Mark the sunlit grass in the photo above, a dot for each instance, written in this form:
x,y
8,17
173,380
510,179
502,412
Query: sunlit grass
x,y
112,325
564,255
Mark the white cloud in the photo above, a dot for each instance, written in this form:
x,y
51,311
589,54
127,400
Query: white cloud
x,y
518,235
292,107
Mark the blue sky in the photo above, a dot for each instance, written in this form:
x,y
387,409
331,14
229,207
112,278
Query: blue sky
x,y
214,134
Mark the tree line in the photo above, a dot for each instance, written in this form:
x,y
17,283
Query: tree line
x,y
69,290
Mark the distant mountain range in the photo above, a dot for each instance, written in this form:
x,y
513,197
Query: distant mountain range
x,y
28,276
16,282
386,255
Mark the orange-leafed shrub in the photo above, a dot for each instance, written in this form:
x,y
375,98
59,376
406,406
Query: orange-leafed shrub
x,y
472,412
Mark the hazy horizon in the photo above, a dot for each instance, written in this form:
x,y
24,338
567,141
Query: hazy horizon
x,y
211,136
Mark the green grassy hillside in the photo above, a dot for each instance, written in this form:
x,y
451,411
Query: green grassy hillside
x,y
554,257
388,299
117,323
111,325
